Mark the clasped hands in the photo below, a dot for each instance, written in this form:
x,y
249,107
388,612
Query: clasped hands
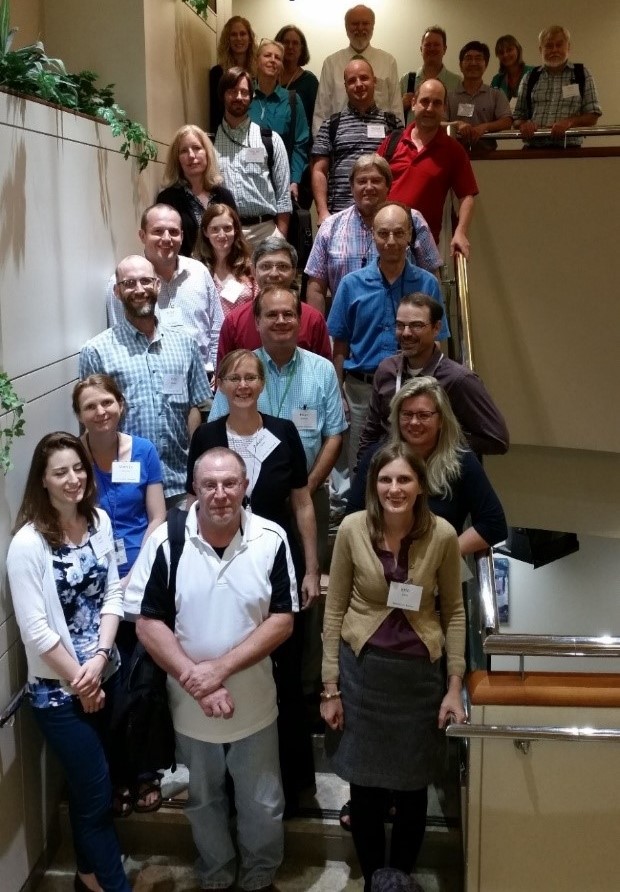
x,y
204,682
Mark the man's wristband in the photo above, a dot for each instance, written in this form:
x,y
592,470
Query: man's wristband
x,y
325,696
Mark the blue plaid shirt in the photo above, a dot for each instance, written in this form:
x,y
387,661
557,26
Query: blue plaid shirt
x,y
161,381
307,382
344,243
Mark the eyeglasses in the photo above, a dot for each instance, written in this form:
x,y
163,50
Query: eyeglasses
x,y
132,284
237,379
238,91
413,326
400,235
274,315
421,416
212,486
279,266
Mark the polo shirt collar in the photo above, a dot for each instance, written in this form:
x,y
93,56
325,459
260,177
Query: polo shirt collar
x,y
245,534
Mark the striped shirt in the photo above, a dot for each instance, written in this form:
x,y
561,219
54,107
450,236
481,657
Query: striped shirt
x,y
192,297
307,383
161,381
344,243
255,191
356,133
550,105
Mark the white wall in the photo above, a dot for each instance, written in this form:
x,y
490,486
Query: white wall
x,y
577,595
400,24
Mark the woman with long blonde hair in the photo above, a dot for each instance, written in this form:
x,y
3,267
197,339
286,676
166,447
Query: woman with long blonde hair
x,y
192,181
236,47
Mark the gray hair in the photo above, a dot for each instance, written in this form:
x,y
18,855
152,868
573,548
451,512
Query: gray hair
x,y
271,245
371,159
553,29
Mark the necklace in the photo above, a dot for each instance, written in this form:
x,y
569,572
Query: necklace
x,y
297,73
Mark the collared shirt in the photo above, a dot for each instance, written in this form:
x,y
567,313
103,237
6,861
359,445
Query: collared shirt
x,y
450,80
549,105
161,381
344,243
482,422
242,158
357,133
219,602
274,111
487,104
239,331
189,302
332,96
308,384
423,178
364,312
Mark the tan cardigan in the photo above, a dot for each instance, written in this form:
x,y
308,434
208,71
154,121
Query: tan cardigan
x,y
357,595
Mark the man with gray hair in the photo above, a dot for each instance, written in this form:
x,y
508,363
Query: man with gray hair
x,y
344,241
359,22
274,262
211,626
559,95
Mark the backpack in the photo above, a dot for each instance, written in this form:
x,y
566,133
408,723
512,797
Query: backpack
x,y
393,141
141,725
579,78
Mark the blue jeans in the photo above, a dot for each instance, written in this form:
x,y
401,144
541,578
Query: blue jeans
x,y
253,766
77,740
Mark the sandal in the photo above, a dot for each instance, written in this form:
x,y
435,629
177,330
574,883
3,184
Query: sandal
x,y
345,816
122,802
143,791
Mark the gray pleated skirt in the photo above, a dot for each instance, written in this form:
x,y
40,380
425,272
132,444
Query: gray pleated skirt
x,y
391,704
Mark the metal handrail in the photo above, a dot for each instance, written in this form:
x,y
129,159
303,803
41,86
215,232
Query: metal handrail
x,y
613,130
532,732
488,598
552,645
464,310
7,714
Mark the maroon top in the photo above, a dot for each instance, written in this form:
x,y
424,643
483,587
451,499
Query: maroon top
x,y
395,632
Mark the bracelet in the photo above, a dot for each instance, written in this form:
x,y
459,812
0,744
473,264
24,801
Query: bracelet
x,y
106,651
325,696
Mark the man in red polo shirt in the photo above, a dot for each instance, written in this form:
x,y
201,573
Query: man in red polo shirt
x,y
274,262
427,163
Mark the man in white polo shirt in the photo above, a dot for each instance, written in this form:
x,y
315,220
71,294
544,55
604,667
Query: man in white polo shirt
x,y
234,603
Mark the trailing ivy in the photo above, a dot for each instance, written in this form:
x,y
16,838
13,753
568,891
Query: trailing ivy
x,y
30,71
12,425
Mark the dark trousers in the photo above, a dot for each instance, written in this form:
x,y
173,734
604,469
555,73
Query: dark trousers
x,y
77,739
368,806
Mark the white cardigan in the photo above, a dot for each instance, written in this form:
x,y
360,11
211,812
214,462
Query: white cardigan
x,y
37,606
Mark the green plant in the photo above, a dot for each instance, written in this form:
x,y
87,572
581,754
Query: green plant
x,y
199,6
12,407
32,72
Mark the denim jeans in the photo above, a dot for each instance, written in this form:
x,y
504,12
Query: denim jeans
x,y
253,766
77,740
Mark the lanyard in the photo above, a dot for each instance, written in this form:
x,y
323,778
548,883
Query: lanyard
x,y
236,142
289,379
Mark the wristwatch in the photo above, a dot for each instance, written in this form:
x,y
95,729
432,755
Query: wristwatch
x,y
106,651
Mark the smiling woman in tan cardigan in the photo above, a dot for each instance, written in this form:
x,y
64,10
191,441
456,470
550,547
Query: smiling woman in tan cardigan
x,y
385,701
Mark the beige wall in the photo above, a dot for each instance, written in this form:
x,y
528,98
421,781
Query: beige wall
x,y
27,16
400,25
546,820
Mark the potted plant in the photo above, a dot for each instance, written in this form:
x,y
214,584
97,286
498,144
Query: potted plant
x,y
31,72
11,413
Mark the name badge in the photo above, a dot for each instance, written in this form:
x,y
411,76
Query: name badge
x,y
305,419
232,290
570,90
465,110
266,442
375,131
99,544
513,104
119,552
125,472
171,316
173,384
405,595
252,155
